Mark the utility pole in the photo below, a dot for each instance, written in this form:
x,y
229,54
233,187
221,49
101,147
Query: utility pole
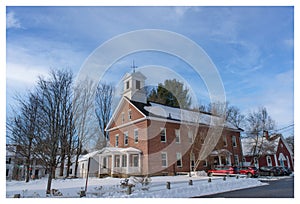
x,y
87,175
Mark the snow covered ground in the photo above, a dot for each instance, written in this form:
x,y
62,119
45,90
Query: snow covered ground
x,y
110,187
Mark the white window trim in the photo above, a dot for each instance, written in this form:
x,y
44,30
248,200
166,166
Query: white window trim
x,y
122,117
179,157
117,140
163,129
225,141
129,115
269,158
126,133
164,153
234,144
134,136
177,135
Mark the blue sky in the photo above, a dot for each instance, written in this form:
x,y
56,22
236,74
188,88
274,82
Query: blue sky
x,y
252,48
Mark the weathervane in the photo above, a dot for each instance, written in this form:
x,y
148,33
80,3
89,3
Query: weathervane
x,y
133,66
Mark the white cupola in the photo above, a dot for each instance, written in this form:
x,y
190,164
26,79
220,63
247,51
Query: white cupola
x,y
134,86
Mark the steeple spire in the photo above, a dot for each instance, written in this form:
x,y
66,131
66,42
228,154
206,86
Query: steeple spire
x,y
133,66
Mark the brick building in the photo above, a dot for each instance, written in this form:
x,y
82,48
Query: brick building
x,y
148,138
273,151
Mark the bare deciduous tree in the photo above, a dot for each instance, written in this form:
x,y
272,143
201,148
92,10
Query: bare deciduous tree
x,y
53,95
85,120
104,97
257,123
22,129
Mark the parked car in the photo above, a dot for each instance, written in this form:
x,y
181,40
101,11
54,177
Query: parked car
x,y
250,171
270,171
223,170
286,171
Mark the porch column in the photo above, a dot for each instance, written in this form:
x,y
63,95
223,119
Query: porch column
x,y
140,163
127,165
121,167
112,164
220,160
100,161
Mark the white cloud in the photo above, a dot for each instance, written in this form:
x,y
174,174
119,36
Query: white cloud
x,y
12,21
24,74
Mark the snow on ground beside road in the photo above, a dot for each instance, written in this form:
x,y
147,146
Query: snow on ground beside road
x,y
110,187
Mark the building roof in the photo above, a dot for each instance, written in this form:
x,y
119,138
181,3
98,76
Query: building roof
x,y
267,146
177,114
117,150
87,156
154,111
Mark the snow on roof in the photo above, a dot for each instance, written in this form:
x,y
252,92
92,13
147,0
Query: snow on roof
x,y
184,115
87,156
119,150
267,146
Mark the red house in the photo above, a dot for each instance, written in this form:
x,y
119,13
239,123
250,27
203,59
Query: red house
x,y
271,151
148,138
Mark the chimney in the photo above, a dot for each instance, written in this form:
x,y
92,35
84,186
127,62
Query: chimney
x,y
266,134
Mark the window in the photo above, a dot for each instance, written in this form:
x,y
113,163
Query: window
x,y
134,160
7,172
117,160
164,159
225,141
177,134
205,163
124,160
8,161
104,165
125,138
122,117
138,84
192,161
117,140
136,136
233,138
70,171
190,136
163,137
179,159
269,161
236,159
127,84
129,114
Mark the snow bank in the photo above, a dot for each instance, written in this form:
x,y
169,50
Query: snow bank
x,y
110,187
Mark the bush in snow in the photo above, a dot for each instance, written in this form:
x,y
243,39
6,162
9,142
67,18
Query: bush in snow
x,y
143,181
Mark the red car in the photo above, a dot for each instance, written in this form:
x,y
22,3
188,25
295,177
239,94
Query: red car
x,y
250,171
223,170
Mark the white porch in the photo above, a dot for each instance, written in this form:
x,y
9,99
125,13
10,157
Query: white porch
x,y
115,161
221,157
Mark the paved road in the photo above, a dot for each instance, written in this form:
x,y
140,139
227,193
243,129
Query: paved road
x,y
283,188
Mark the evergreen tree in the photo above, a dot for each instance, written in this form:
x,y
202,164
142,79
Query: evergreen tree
x,y
171,93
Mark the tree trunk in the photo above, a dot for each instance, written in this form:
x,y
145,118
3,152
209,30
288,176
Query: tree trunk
x,y
76,161
27,172
62,165
48,190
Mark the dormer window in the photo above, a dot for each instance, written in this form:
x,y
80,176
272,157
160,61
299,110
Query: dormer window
x,y
127,85
138,84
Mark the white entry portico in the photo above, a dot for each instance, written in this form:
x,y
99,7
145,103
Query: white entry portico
x,y
114,161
